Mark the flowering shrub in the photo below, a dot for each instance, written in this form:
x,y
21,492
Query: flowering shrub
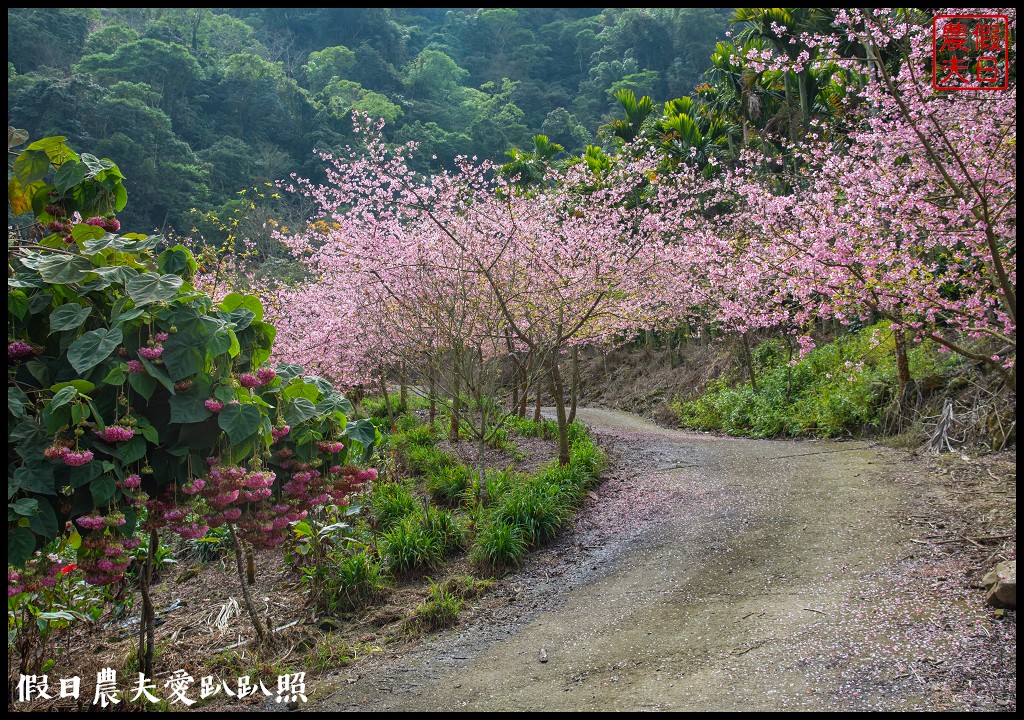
x,y
136,402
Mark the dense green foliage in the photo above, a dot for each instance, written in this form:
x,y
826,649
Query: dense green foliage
x,y
123,380
198,103
842,387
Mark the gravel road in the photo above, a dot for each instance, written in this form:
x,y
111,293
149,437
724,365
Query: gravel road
x,y
709,573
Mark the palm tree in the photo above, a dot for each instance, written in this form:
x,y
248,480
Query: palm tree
x,y
738,92
685,132
637,111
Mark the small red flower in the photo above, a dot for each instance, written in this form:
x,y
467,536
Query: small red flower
x,y
68,568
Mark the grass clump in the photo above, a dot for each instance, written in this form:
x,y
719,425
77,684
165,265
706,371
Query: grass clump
x,y
409,547
538,508
500,545
390,503
360,578
427,459
440,610
447,485
449,532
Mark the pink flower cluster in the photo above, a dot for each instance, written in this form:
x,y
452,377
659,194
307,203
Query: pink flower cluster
x,y
19,350
190,531
103,558
263,376
108,224
132,482
63,452
39,572
115,433
134,366
279,433
214,406
330,446
151,353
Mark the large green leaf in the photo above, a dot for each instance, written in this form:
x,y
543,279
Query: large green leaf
x,y
16,401
131,451
82,386
159,375
64,269
241,318
17,303
20,545
121,274
117,376
25,507
220,343
236,300
143,384
362,431
93,348
102,489
62,397
84,233
85,474
68,317
334,402
31,165
37,478
152,287
44,522
68,175
299,410
188,407
185,351
298,388
239,421
176,260
287,371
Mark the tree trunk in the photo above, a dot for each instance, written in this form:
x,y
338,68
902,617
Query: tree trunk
x,y
387,403
403,391
432,395
536,404
524,388
805,104
789,368
788,84
250,564
147,629
261,632
558,395
574,384
453,428
748,359
903,379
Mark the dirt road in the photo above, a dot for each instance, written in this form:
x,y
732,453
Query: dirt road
x,y
712,573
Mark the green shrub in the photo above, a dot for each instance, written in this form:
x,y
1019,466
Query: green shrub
x,y
390,503
448,485
842,387
499,545
527,427
360,579
446,528
497,484
424,459
440,610
538,509
409,547
467,586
